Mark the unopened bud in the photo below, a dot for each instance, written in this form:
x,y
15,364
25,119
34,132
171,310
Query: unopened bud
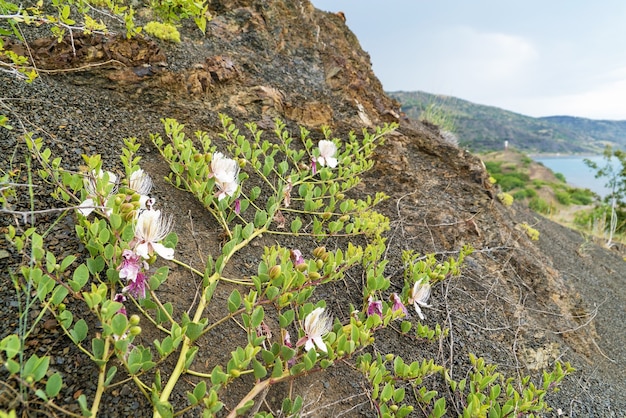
x,y
326,215
134,319
319,252
302,267
345,218
275,272
135,330
319,263
340,196
197,158
127,207
241,162
314,275
235,373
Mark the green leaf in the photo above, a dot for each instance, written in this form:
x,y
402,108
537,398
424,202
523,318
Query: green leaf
x,y
36,367
260,218
53,385
110,374
79,332
10,345
95,265
259,371
79,278
119,323
234,301
296,224
257,316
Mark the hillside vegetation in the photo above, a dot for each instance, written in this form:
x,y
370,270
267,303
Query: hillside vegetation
x,y
485,128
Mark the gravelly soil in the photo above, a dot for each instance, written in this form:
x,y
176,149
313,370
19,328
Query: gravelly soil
x,y
519,304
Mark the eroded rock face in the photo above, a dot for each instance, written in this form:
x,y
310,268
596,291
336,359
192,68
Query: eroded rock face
x,y
265,59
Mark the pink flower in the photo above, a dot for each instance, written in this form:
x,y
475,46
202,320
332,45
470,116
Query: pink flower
x,y
296,257
149,231
131,264
121,299
328,149
374,307
137,288
313,166
398,305
237,206
316,325
418,296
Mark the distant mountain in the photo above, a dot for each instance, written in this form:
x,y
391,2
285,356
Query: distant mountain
x,y
484,128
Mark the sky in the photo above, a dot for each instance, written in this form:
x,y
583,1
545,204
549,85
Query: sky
x,y
534,57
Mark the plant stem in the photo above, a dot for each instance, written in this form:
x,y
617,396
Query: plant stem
x,y
101,377
258,388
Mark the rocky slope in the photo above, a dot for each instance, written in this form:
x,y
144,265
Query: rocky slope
x,y
519,304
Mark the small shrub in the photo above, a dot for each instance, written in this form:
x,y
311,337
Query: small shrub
x,y
164,31
505,198
582,196
524,194
561,177
539,205
532,233
563,197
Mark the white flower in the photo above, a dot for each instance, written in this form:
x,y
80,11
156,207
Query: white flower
x,y
226,171
94,198
328,149
149,231
316,325
141,182
418,296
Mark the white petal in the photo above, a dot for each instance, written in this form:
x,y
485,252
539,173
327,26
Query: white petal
x,y
419,311
86,207
320,343
142,250
308,344
163,251
332,162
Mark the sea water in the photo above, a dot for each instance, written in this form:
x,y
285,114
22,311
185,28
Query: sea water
x,y
577,173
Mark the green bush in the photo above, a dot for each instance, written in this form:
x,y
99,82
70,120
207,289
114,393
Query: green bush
x,y
561,177
526,193
539,205
563,197
582,196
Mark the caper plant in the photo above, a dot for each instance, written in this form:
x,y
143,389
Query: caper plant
x,y
251,186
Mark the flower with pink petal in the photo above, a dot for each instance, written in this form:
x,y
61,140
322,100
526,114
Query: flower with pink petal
x,y
374,307
131,264
398,305
137,288
121,299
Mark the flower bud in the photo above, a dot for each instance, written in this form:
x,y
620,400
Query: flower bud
x,y
135,197
135,330
275,272
319,252
241,162
325,257
118,200
394,408
235,373
319,264
345,218
127,207
314,275
197,157
340,196
134,319
61,307
326,215
389,357
302,267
